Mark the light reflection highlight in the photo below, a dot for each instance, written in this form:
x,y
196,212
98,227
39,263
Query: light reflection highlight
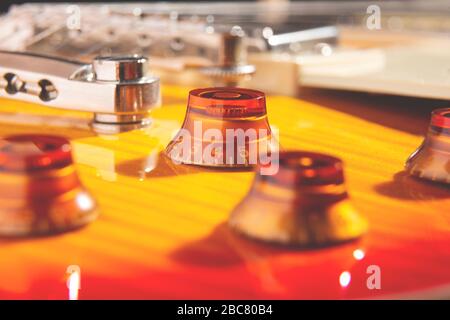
x,y
84,201
358,254
344,279
73,282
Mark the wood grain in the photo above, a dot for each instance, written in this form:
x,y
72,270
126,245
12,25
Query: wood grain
x,y
163,234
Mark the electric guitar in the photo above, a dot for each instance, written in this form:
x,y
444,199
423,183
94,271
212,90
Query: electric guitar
x,y
162,229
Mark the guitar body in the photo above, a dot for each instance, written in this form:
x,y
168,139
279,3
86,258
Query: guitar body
x,y
162,231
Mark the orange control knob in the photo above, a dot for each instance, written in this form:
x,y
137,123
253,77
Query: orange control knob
x,y
223,127
432,159
40,192
304,204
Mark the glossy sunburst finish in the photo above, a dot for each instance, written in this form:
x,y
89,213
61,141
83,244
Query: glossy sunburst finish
x,y
41,193
431,160
162,230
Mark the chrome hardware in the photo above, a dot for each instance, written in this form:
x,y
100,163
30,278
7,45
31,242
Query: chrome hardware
x,y
195,45
120,68
43,89
114,88
304,40
13,83
214,40
232,66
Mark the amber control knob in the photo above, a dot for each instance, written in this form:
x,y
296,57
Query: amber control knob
x,y
432,159
40,192
223,127
304,204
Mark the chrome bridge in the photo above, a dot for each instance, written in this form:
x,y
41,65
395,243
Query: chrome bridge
x,y
116,89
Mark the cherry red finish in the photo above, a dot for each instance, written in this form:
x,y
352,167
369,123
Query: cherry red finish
x,y
32,152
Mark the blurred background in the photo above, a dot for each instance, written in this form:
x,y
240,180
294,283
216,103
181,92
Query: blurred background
x,y
4,4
